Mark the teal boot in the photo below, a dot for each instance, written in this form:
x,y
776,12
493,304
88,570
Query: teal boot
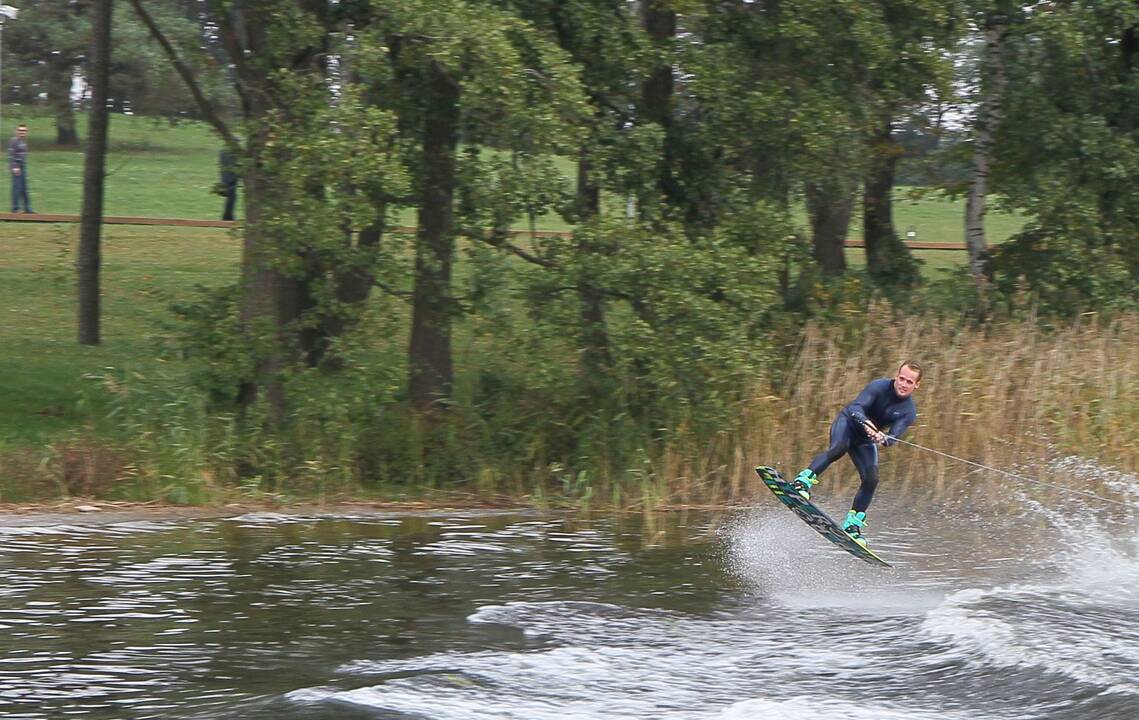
x,y
803,482
853,525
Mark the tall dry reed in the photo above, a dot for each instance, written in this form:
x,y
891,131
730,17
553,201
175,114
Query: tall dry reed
x,y
1007,396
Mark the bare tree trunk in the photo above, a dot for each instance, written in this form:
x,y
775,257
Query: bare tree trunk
x,y
878,197
91,221
264,297
429,354
830,206
659,22
988,118
887,257
59,98
269,298
595,356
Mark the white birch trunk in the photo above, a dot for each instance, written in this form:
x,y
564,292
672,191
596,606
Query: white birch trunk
x,y
988,118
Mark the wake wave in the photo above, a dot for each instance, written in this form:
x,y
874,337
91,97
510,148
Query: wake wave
x,y
617,663
1078,619
1065,632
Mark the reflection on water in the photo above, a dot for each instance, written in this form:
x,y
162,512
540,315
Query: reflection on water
x,y
1025,614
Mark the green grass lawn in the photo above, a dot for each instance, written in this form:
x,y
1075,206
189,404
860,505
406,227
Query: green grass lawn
x,y
154,169
934,218
144,269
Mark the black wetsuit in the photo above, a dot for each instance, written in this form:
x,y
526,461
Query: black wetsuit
x,y
879,404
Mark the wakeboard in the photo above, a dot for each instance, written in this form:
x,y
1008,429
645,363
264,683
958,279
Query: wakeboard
x,y
813,516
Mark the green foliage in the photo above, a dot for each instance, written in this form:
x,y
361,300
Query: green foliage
x,y
687,334
1068,155
53,36
333,168
207,335
144,83
45,36
517,89
790,92
496,190
1057,272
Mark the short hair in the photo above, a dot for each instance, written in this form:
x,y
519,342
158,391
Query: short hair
x,y
912,365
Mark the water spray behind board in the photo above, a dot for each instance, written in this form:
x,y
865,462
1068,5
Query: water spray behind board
x,y
1061,488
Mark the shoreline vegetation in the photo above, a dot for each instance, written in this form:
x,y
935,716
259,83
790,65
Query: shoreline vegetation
x,y
128,422
1008,396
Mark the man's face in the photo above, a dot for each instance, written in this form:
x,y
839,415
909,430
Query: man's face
x,y
906,381
21,131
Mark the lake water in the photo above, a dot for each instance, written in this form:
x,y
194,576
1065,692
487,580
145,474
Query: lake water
x,y
1000,606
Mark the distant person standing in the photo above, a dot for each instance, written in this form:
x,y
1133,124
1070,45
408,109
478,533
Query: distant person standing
x,y
18,169
228,182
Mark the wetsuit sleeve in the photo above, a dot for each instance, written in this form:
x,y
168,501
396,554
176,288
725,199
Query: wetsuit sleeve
x,y
900,426
861,404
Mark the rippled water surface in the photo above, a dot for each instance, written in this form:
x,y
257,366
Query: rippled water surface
x,y
1001,606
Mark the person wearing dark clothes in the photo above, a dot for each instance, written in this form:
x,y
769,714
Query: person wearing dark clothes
x,y
228,182
878,416
18,169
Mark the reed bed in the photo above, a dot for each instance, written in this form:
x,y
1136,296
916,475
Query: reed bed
x,y
1009,396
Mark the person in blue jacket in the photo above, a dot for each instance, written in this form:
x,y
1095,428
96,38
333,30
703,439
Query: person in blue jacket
x,y
18,168
878,416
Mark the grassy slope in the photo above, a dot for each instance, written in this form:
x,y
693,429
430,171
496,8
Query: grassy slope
x,y
166,171
41,365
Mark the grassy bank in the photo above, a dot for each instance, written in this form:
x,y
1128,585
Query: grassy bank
x,y
154,169
144,269
51,407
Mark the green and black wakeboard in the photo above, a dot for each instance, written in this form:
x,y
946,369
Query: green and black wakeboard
x,y
813,516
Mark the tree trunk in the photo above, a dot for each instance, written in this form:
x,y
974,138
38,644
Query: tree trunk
x,y
887,257
59,79
268,297
429,355
830,206
878,198
988,118
271,301
659,22
91,221
595,356
353,287
264,300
